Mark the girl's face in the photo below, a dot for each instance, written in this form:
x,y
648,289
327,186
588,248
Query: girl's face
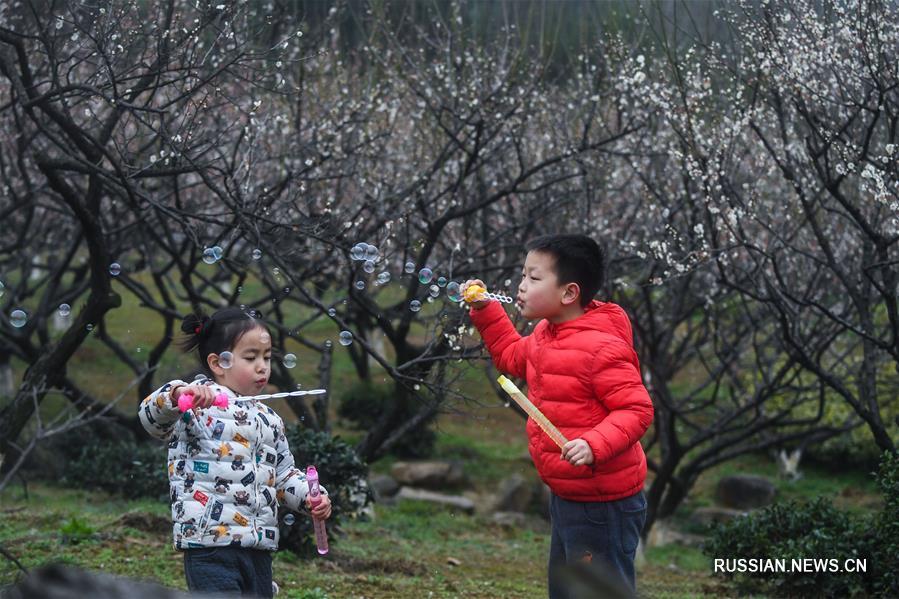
x,y
250,363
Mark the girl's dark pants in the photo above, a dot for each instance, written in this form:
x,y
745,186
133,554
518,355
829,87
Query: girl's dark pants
x,y
232,570
597,541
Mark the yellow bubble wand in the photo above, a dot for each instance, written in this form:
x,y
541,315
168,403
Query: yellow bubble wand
x,y
542,421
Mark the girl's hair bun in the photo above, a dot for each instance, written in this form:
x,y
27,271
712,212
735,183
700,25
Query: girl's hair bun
x,y
194,324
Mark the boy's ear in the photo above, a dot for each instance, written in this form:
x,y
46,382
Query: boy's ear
x,y
213,361
571,292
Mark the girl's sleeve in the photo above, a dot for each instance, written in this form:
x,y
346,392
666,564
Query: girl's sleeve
x,y
290,482
156,413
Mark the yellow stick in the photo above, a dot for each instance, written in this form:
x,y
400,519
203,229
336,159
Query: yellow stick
x,y
542,421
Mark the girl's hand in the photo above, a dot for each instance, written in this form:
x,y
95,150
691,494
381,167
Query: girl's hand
x,y
323,510
204,396
479,304
578,453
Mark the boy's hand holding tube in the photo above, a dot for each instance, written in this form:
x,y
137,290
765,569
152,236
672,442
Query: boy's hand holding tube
x,y
323,510
578,453
477,305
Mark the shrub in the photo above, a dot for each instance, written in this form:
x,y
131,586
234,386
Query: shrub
x,y
363,403
125,468
340,470
817,530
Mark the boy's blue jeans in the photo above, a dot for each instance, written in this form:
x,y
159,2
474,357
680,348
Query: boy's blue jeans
x,y
601,535
229,570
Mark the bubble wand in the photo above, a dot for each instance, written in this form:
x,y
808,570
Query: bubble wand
x,y
315,498
186,400
476,293
542,421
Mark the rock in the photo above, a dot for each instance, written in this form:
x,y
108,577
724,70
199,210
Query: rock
x,y
509,519
514,495
743,491
705,516
383,487
452,561
429,474
454,501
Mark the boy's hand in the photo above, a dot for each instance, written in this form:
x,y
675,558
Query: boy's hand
x,y
577,452
322,511
476,305
204,396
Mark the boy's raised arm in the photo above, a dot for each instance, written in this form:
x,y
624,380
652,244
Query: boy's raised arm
x,y
506,346
618,385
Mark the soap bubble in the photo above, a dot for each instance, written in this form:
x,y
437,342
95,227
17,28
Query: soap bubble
x,y
454,291
410,267
434,290
209,256
328,343
289,519
289,361
371,253
65,310
90,327
360,285
276,271
441,281
425,275
415,305
384,278
200,378
226,359
2,288
332,312
257,254
345,338
218,251
369,266
115,269
18,318
358,251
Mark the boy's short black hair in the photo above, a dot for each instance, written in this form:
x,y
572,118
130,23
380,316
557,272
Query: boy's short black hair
x,y
578,259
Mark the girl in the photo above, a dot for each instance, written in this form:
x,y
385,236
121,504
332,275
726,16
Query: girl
x,y
229,468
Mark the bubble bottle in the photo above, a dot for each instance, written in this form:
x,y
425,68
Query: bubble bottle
x,y
315,498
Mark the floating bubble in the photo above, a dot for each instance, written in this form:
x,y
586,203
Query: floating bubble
x,y
415,305
90,327
371,253
287,291
384,278
18,318
410,267
454,291
332,312
65,310
289,361
209,256
360,285
425,275
276,271
218,251
2,288
358,251
200,378
441,281
226,359
328,343
115,269
434,290
257,254
289,519
369,266
345,338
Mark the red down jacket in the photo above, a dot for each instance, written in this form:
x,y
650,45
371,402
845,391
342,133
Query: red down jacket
x,y
584,376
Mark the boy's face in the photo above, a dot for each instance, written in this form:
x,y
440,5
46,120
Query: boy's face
x,y
250,363
539,293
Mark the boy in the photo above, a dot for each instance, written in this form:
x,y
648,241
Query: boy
x,y
582,373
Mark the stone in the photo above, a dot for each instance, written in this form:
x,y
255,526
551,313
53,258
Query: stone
x,y
743,491
383,487
451,501
433,474
515,495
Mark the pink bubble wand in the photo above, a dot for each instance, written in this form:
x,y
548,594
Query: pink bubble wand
x,y
315,498
186,400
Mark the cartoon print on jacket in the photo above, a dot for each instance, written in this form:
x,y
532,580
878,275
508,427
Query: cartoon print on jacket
x,y
229,469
